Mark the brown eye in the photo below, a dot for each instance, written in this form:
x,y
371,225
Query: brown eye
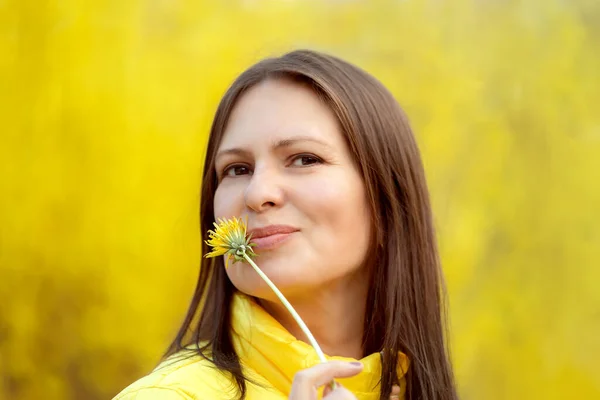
x,y
305,160
236,170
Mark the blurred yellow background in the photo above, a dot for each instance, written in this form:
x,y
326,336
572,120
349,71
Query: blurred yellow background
x,y
104,113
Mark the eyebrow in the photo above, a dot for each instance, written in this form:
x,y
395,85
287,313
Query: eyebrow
x,y
278,144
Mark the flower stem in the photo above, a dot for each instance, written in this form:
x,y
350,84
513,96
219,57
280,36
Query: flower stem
x,y
291,309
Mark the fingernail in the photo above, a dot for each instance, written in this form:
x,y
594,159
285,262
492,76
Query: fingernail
x,y
356,364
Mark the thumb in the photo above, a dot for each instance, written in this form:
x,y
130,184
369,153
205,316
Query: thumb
x,y
324,373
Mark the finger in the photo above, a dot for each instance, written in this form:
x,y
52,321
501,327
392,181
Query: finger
x,y
324,373
395,392
329,387
308,380
340,393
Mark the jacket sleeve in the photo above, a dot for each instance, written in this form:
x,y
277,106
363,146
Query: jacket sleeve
x,y
155,393
190,378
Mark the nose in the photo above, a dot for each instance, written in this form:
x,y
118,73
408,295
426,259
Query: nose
x,y
264,190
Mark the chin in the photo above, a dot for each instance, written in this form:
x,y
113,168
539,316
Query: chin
x,y
247,281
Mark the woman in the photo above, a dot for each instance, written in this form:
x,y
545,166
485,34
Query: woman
x,y
319,158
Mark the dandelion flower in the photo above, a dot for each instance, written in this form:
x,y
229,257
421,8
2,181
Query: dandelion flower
x,y
229,239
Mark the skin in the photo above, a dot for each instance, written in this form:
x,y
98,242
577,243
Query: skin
x,y
306,382
284,160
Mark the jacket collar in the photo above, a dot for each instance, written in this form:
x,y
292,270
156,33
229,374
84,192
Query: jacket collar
x,y
266,347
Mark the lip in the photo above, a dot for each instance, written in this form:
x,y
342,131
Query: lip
x,y
271,236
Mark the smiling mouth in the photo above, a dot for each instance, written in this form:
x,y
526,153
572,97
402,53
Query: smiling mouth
x,y
271,241
271,236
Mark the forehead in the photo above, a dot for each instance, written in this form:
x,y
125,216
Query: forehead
x,y
276,109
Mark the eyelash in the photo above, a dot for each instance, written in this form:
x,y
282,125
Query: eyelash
x,y
315,159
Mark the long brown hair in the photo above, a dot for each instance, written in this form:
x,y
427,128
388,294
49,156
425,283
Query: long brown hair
x,y
406,301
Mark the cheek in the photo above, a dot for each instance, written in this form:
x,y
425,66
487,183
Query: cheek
x,y
339,212
228,201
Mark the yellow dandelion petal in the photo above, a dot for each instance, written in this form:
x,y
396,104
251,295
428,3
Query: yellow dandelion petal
x,y
229,239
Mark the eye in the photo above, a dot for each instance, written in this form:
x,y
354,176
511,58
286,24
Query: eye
x,y
236,170
305,160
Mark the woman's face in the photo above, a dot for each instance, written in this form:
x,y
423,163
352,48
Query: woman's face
x,y
284,165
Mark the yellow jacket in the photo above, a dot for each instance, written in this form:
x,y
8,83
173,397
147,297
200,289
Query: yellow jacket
x,y
270,358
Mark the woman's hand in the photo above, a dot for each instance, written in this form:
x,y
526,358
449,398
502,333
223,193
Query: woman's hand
x,y
307,381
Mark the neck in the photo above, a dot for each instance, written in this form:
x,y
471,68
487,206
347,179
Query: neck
x,y
333,313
